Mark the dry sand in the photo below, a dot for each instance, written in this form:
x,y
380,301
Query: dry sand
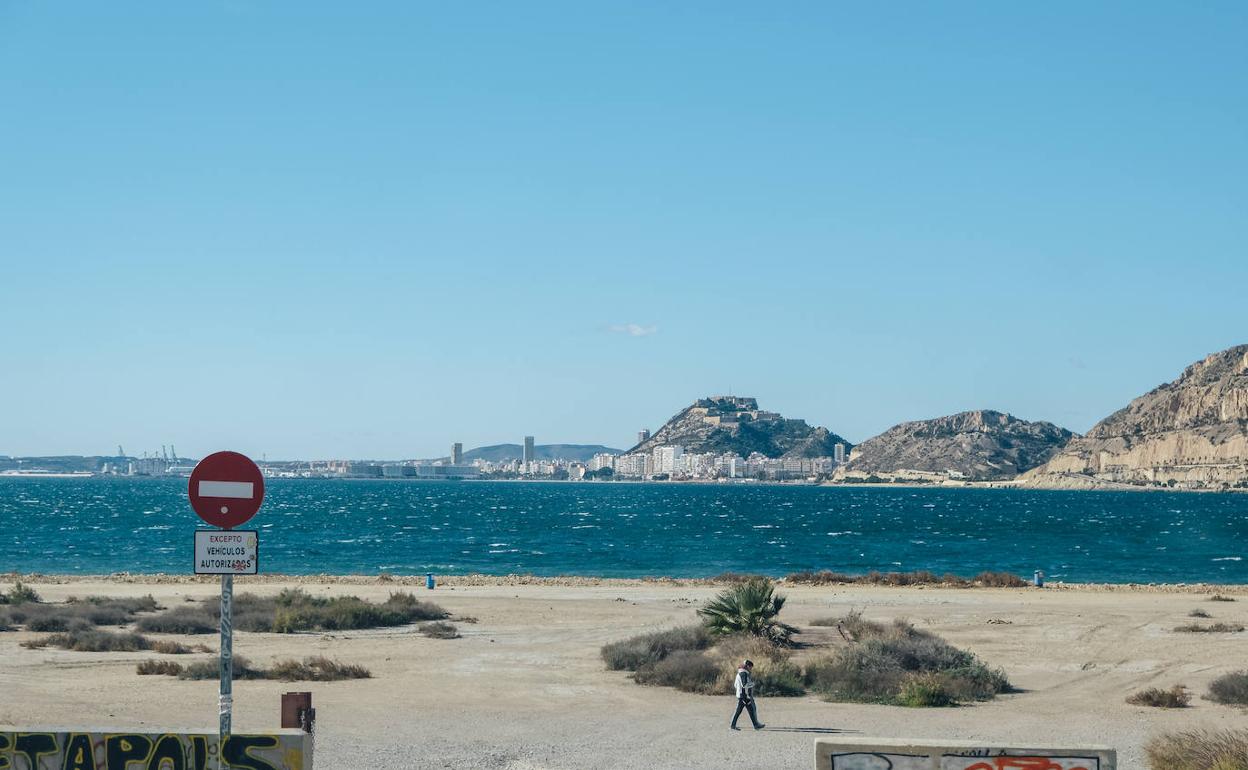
x,y
525,689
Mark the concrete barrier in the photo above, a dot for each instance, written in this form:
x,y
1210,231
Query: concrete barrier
x,y
61,749
881,754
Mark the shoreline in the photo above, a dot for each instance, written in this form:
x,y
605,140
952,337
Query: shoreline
x,y
582,581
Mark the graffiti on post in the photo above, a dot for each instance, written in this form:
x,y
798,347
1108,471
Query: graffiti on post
x,y
980,762
860,760
152,751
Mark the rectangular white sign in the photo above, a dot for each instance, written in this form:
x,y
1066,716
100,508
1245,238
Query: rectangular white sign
x,y
241,490
227,552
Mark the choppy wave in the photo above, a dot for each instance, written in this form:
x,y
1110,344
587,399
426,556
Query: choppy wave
x,y
413,527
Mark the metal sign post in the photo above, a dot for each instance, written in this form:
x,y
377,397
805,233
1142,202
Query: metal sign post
x,y
226,699
226,489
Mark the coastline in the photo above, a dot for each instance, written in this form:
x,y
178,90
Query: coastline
x,y
527,673
477,580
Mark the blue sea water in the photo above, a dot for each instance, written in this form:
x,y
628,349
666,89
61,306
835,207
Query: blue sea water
x,y
104,525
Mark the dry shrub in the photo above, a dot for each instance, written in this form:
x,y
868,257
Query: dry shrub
x,y
737,577
637,651
158,668
903,665
918,577
1199,750
166,647
439,629
1176,697
1221,598
1212,628
1199,614
295,610
91,640
76,614
686,670
181,620
211,669
999,580
1230,689
315,669
821,578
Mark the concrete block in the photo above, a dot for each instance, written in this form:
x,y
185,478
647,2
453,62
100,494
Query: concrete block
x,y
886,754
86,749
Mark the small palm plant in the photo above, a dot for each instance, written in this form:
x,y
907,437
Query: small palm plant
x,y
748,608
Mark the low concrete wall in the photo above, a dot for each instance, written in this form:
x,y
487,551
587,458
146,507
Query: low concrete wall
x,y
61,749
881,754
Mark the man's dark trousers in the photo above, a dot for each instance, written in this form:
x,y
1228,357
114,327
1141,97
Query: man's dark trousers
x,y
748,705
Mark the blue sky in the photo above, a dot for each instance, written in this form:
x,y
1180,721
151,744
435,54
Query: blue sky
x,y
333,230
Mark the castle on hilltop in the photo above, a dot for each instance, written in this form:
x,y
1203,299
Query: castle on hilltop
x,y
730,410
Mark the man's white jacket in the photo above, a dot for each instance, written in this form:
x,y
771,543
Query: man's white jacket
x,y
745,684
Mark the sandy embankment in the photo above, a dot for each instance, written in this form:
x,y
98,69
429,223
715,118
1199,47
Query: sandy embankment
x,y
524,688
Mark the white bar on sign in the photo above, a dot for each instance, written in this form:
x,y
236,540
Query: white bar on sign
x,y
238,489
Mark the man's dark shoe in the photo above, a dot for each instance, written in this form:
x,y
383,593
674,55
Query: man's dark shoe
x,y
733,727
759,727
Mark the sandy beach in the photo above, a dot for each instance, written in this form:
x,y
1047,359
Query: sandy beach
x,y
524,687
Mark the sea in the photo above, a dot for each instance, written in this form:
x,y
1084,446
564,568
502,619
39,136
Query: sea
x,y
104,525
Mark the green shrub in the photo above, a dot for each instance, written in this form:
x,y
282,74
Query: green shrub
x,y
439,630
1230,689
158,668
856,674
1199,750
927,690
686,670
778,678
901,664
1176,697
748,608
22,594
633,653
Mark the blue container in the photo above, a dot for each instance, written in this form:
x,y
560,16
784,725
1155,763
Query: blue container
x,y
429,582
1038,579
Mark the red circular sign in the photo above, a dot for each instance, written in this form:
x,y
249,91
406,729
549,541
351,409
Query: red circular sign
x,y
226,489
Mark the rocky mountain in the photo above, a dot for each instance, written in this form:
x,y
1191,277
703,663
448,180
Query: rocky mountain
x,y
981,445
735,424
1191,433
498,453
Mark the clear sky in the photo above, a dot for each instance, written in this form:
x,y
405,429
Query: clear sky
x,y
359,230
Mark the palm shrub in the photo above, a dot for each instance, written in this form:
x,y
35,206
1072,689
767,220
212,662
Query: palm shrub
x,y
748,608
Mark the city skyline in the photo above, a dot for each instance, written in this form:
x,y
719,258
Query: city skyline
x,y
385,229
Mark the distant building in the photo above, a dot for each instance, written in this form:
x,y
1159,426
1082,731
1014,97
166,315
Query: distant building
x,y
643,435
838,453
667,459
602,460
528,449
457,453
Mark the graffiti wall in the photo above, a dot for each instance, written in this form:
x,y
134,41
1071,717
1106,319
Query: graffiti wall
x,y
35,750
873,754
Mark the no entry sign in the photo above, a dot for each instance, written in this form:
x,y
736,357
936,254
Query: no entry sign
x,y
226,489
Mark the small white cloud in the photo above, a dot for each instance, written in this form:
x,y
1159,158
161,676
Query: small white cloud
x,y
633,330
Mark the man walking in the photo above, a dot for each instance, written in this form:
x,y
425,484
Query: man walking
x,y
745,695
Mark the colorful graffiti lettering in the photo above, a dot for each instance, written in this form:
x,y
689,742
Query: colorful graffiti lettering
x,y
1020,763
152,751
